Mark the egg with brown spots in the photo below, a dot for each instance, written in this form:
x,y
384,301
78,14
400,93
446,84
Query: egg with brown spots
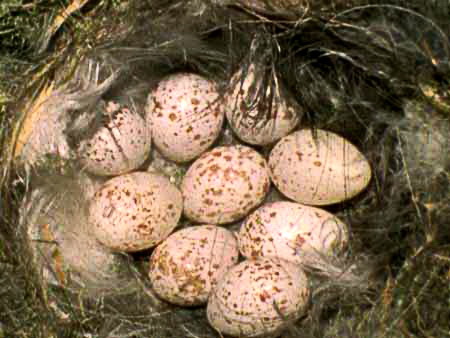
x,y
318,169
298,233
225,184
185,116
258,298
135,211
189,263
120,144
256,120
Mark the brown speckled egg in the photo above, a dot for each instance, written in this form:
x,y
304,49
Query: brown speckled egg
x,y
225,184
135,211
292,231
252,120
121,144
188,264
258,298
185,116
318,171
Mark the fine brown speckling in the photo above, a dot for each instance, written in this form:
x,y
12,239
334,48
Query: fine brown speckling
x,y
249,299
225,184
119,146
298,233
185,121
135,211
187,265
319,171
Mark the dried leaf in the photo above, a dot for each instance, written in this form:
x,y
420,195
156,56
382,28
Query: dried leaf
x,y
32,113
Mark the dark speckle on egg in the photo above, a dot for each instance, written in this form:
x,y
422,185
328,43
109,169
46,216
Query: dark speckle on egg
x,y
237,177
184,123
142,208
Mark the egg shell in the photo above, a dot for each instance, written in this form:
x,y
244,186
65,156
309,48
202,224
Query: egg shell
x,y
318,171
225,184
252,120
121,144
185,116
292,231
135,211
187,265
258,298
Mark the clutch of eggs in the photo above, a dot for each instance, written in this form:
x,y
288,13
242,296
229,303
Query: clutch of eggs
x,y
188,264
258,298
120,144
185,116
256,122
264,294
298,233
318,169
135,211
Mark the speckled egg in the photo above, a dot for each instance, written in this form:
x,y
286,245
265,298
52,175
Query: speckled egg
x,y
225,184
120,144
258,298
254,120
188,264
185,116
318,170
292,231
135,211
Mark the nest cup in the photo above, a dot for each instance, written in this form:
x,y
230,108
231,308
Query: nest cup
x,y
364,72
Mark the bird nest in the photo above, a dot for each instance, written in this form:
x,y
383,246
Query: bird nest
x,y
376,74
